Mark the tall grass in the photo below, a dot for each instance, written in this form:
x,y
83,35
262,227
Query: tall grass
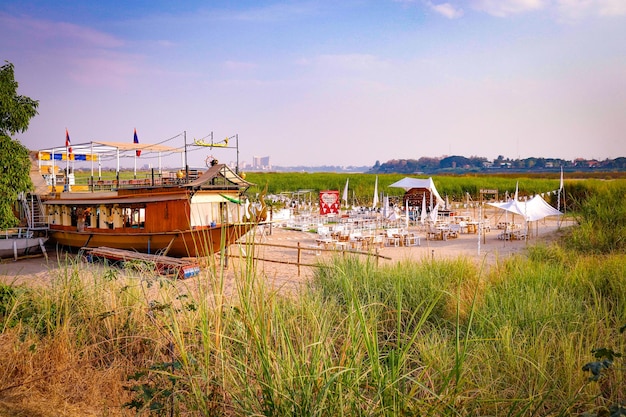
x,y
430,337
602,221
456,187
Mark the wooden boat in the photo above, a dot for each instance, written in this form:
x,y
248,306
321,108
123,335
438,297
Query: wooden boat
x,y
182,216
18,242
29,239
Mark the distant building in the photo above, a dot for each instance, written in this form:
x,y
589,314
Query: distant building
x,y
261,163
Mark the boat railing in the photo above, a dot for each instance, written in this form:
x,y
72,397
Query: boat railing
x,y
110,185
16,232
112,181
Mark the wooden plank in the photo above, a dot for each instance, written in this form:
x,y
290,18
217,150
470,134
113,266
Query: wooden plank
x,y
164,264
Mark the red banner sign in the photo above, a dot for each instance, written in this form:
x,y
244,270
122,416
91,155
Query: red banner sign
x,y
329,202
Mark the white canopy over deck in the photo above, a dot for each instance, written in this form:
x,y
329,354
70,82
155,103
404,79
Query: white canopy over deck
x,y
97,151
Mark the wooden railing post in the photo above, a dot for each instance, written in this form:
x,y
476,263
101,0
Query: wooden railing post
x,y
299,258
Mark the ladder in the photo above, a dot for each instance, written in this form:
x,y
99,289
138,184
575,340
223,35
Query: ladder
x,y
33,212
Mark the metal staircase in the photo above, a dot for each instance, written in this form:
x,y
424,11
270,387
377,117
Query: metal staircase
x,y
33,212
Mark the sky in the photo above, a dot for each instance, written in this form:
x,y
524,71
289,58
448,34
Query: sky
x,y
326,82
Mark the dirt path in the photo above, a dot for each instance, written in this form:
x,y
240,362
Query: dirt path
x,y
288,276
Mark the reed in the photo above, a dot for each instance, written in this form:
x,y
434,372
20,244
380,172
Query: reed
x,y
602,221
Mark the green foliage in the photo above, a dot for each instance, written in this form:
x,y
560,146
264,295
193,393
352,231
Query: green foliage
x,y
15,114
14,178
604,360
602,221
15,110
154,390
604,373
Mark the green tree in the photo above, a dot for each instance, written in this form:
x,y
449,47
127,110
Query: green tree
x,y
15,114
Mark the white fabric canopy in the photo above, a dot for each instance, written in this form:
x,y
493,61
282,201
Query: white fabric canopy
x,y
532,210
408,183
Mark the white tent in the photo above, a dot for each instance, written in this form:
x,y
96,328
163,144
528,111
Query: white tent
x,y
532,210
409,183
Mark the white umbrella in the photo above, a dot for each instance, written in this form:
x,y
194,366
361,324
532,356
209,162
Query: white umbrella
x,y
375,202
345,193
558,198
434,213
423,214
385,206
406,211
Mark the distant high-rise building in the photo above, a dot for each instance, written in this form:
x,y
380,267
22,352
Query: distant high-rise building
x,y
261,162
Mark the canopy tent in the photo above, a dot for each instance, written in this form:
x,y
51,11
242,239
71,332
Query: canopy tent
x,y
532,210
419,188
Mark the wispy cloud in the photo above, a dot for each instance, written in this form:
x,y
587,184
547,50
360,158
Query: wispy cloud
x,y
231,65
612,8
502,8
271,13
108,70
38,31
577,9
563,9
86,55
346,62
446,9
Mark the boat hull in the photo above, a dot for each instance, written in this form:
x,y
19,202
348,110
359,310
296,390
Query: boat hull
x,y
184,243
16,247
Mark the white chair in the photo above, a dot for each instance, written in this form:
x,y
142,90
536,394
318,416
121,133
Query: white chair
x,y
355,240
392,238
432,233
378,241
411,239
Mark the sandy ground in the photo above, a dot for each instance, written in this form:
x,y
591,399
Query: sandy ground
x,y
286,276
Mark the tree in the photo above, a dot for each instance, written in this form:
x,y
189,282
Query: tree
x,y
15,114
15,111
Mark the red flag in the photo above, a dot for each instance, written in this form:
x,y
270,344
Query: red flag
x,y
136,140
68,144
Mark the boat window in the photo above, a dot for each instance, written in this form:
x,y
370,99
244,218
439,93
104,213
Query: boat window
x,y
134,217
73,216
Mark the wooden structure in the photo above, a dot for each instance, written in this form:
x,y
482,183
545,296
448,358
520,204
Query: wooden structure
x,y
165,265
414,197
191,217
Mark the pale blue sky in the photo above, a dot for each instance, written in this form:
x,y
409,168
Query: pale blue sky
x,y
326,82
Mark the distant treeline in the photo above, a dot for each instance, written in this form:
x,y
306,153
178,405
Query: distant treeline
x,y
461,164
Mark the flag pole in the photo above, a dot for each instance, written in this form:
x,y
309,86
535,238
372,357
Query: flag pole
x,y
137,151
68,151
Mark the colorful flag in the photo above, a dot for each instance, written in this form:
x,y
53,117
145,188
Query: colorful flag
x,y
68,144
136,140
